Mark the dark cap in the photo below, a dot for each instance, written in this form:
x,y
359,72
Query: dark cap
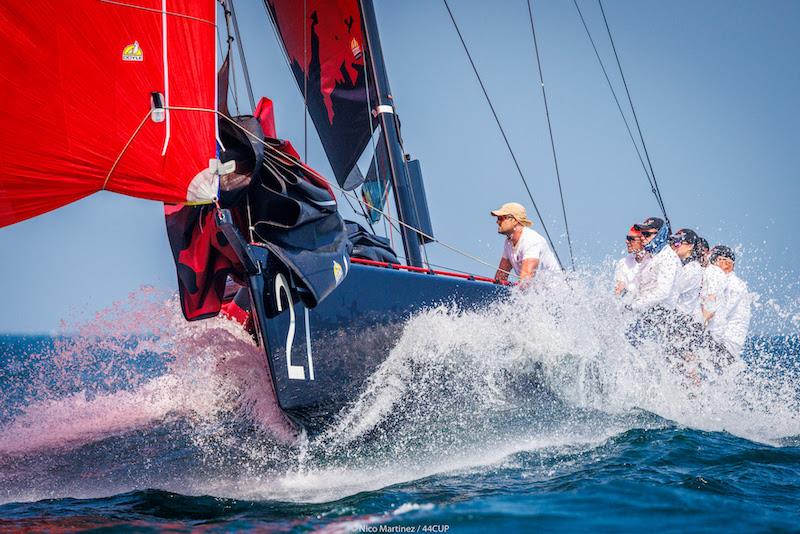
x,y
721,251
684,235
651,223
702,242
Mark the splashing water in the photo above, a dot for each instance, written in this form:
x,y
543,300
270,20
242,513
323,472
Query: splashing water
x,y
140,398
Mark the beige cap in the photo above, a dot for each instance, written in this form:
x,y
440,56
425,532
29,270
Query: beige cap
x,y
514,210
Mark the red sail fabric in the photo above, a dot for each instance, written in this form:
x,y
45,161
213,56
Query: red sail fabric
x,y
76,78
203,257
325,45
295,219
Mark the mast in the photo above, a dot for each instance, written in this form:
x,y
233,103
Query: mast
x,y
384,111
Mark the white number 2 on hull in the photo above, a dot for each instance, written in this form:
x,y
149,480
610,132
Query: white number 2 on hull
x,y
296,372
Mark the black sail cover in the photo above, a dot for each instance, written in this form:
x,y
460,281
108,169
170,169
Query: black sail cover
x,y
324,43
291,209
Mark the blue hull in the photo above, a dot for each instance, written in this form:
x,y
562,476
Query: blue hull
x,y
320,359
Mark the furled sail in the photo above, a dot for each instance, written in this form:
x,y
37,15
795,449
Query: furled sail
x,y
78,80
277,202
325,46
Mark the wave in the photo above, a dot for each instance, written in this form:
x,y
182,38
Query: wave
x,y
546,369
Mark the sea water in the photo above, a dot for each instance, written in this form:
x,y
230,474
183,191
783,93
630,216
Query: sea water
x,y
534,413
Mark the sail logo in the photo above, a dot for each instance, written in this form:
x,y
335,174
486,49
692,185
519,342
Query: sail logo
x,y
355,47
132,52
338,273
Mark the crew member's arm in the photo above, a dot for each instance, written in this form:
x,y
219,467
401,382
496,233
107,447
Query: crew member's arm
x,y
503,269
619,279
528,269
711,293
707,314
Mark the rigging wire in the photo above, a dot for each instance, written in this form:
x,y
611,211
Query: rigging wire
x,y
420,232
273,25
231,62
393,222
228,54
374,149
393,164
305,80
635,118
550,131
242,59
619,106
334,185
503,133
363,213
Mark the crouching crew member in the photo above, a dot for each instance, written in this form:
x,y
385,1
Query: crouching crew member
x,y
690,276
655,284
655,281
731,331
525,250
628,267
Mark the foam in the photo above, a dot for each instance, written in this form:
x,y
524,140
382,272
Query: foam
x,y
462,390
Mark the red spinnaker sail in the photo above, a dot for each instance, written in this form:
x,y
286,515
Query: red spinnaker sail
x,y
326,49
76,78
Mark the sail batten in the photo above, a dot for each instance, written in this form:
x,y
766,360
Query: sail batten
x,y
77,79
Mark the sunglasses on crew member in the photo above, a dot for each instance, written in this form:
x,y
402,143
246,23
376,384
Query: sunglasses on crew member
x,y
632,238
647,233
678,240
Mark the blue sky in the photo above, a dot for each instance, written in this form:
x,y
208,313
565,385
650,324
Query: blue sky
x,y
715,84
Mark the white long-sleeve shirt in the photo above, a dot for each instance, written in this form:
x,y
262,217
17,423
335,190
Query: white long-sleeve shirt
x,y
687,289
713,299
655,282
625,272
737,314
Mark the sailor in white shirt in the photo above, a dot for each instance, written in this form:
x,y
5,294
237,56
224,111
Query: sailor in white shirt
x,y
655,281
733,318
713,298
626,269
525,250
737,318
690,275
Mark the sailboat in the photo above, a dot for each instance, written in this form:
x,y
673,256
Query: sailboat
x,y
131,100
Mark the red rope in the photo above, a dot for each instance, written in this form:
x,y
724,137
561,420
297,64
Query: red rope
x,y
400,267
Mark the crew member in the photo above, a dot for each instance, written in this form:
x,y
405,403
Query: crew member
x,y
733,330
626,268
525,250
713,297
690,275
655,285
655,281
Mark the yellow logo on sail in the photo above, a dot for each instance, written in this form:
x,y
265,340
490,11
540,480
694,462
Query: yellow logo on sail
x,y
338,274
355,47
132,52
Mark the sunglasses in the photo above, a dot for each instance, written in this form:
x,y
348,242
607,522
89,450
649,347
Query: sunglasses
x,y
680,239
645,233
632,238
